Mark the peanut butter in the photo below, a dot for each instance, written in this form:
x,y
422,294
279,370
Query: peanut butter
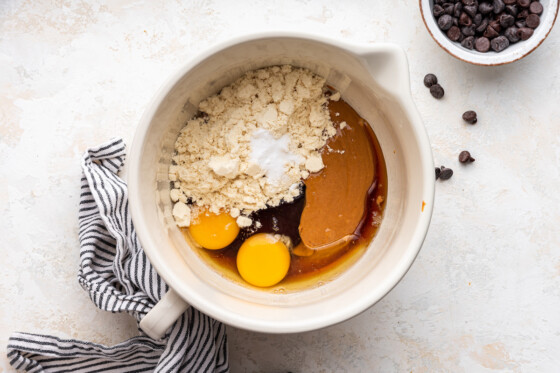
x,y
336,197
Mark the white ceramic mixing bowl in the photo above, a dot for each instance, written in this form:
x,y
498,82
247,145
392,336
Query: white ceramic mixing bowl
x,y
374,80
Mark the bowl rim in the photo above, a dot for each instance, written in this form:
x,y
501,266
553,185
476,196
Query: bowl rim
x,y
421,5
197,300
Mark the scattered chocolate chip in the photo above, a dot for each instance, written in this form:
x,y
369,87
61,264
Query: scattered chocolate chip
x,y
510,2
430,80
525,33
533,21
437,91
523,3
438,172
454,33
468,42
470,116
482,44
446,173
499,43
536,7
511,34
521,23
465,157
469,2
445,22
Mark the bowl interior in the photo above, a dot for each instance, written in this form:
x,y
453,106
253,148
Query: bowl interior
x,y
513,53
376,268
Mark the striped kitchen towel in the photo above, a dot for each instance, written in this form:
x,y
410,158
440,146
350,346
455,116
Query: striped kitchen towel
x,y
118,276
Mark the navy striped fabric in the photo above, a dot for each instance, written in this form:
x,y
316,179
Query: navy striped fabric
x,y
118,277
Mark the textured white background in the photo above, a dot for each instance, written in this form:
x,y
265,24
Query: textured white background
x,y
484,293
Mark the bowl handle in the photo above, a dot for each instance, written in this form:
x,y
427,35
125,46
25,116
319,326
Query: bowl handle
x,y
388,65
163,315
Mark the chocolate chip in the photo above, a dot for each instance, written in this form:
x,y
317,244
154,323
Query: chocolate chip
x,y
457,10
448,8
438,10
438,172
499,43
446,173
533,21
511,34
468,30
445,22
536,7
470,10
482,44
476,23
512,10
468,42
506,20
465,20
499,6
437,91
485,8
525,33
495,24
490,33
469,116
454,33
523,14
477,20
482,26
465,157
430,80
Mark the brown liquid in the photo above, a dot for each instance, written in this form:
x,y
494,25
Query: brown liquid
x,y
285,219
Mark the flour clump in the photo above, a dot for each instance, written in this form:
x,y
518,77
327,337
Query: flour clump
x,y
253,143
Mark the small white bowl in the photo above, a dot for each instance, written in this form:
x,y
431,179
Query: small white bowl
x,y
513,53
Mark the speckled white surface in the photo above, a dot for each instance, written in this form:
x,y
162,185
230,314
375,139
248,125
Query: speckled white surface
x,y
484,293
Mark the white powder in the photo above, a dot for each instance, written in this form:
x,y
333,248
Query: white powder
x,y
273,156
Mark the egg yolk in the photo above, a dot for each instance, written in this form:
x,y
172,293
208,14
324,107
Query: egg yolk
x,y
263,260
214,231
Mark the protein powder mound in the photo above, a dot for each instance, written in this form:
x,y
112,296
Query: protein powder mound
x,y
253,144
